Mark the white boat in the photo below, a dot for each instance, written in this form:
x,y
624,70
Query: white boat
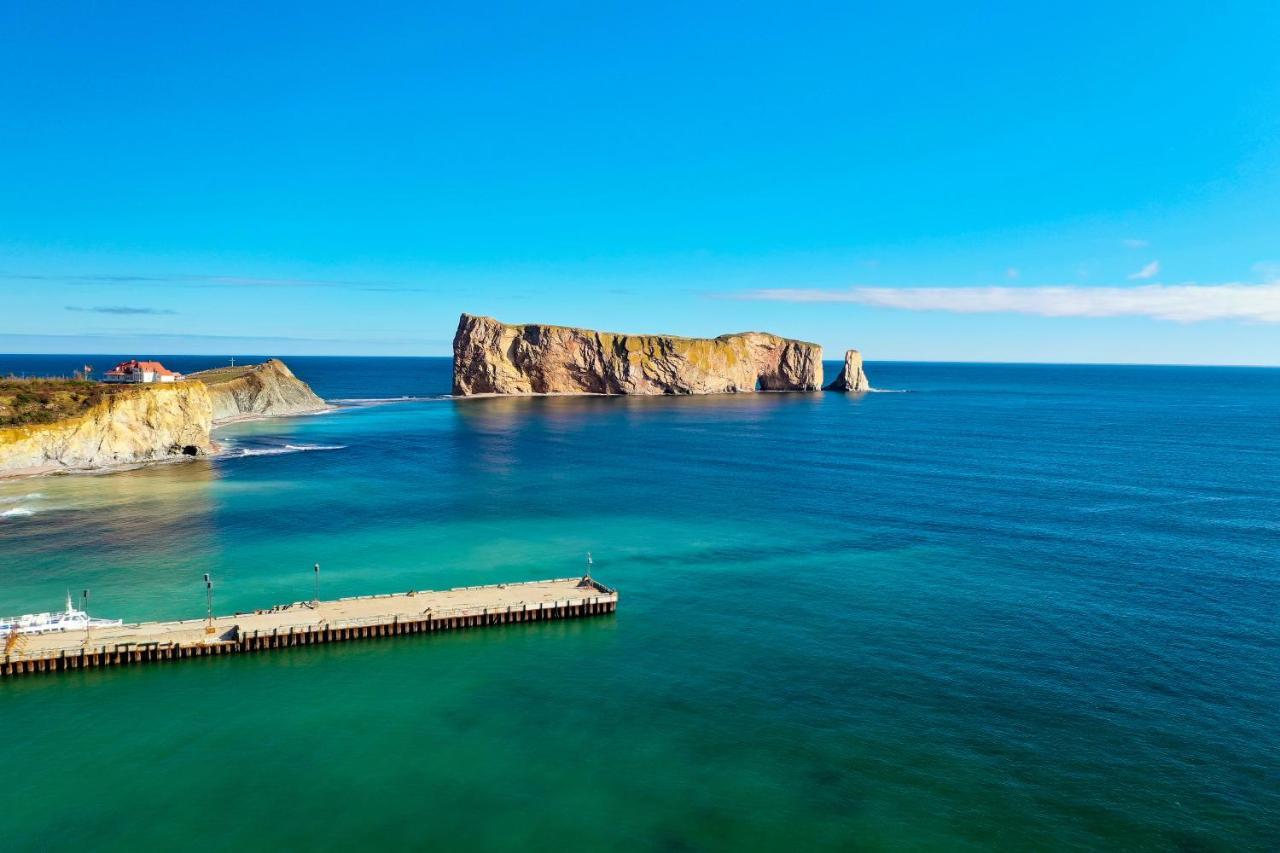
x,y
50,623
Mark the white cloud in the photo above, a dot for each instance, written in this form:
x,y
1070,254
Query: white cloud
x,y
1183,303
1151,270
1269,270
1133,243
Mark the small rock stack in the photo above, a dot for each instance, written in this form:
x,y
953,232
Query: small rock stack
x,y
852,378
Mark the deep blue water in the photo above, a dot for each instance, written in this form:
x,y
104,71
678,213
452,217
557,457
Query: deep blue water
x,y
1013,607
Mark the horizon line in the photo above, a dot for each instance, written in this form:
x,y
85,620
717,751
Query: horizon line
x,y
869,361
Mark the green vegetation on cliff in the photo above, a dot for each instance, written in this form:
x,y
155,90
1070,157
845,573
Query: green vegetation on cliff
x,y
25,402
219,375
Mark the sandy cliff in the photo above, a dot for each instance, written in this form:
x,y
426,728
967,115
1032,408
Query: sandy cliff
x,y
852,377
143,424
148,423
490,357
263,390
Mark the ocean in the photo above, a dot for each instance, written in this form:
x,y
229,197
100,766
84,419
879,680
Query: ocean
x,y
1010,607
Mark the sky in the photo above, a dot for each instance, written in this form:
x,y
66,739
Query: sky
x,y
1091,182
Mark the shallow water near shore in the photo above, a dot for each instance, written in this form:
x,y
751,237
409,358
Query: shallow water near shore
x,y
1018,607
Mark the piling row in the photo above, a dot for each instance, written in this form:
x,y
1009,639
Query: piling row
x,y
239,640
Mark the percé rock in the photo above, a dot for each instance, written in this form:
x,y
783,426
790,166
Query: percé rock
x,y
264,390
852,377
146,423
490,357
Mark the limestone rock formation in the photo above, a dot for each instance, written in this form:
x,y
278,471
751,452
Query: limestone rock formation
x,y
852,377
148,423
490,357
262,390
142,424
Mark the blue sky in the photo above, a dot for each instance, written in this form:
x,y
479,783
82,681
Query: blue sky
x,y
1094,182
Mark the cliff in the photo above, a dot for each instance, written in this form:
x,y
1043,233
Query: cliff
x,y
258,390
140,424
490,357
148,423
852,377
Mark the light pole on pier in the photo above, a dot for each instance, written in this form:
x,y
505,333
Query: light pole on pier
x,y
315,602
84,606
208,596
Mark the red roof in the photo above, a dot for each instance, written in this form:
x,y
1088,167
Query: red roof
x,y
135,366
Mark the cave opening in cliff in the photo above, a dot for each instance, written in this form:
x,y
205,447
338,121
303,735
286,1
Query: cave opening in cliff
x,y
190,450
759,384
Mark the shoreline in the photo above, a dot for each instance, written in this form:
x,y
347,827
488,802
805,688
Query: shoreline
x,y
218,453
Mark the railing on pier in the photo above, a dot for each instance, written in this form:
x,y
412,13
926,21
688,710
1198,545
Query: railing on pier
x,y
233,640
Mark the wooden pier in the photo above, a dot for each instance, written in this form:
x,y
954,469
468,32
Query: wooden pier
x,y
310,623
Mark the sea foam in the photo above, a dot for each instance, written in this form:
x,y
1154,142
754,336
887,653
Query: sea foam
x,y
288,448
33,496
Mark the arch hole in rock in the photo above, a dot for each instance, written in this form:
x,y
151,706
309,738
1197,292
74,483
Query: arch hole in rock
x,y
190,450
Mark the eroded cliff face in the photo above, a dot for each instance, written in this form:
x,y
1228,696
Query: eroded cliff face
x,y
490,357
852,377
149,423
143,424
264,390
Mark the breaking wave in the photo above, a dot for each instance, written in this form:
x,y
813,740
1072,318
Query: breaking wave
x,y
17,512
34,496
378,401
241,452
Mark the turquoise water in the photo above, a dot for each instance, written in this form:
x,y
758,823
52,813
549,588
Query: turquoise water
x,y
1015,608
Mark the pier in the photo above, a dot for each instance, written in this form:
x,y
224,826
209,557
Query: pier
x,y
310,623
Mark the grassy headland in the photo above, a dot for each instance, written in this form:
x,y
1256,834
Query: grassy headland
x,y
223,374
45,401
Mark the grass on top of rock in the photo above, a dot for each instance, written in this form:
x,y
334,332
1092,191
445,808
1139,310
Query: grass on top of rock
x,y
222,374
44,401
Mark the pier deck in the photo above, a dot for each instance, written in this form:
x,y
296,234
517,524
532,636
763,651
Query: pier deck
x,y
305,623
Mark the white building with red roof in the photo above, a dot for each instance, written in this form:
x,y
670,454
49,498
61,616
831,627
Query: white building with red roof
x,y
140,371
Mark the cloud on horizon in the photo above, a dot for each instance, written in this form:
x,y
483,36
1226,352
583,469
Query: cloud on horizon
x,y
1151,270
120,309
1182,303
183,280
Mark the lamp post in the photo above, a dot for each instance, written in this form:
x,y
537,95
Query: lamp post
x,y
315,601
84,606
208,595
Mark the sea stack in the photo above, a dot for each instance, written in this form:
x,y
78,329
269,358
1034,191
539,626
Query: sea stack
x,y
852,378
490,357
